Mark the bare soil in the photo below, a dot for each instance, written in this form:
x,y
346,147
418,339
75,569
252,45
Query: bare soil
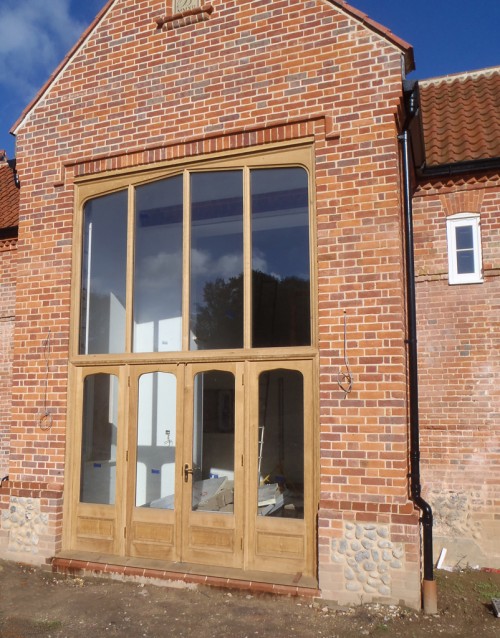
x,y
34,602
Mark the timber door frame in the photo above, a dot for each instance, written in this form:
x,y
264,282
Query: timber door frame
x,y
128,364
283,545
153,533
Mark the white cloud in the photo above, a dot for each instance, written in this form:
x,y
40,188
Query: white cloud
x,y
34,37
226,266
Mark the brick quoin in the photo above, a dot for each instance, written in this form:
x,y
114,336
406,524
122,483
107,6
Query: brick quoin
x,y
245,75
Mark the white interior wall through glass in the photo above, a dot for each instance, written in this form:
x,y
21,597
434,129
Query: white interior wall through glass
x,y
156,441
99,439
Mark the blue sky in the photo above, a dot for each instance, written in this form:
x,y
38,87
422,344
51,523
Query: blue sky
x,y
449,36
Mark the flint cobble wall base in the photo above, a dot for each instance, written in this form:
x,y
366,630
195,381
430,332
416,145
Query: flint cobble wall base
x,y
368,566
30,523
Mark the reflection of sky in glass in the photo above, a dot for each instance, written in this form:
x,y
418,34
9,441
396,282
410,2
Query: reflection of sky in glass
x,y
280,222
465,249
104,274
158,266
216,231
280,250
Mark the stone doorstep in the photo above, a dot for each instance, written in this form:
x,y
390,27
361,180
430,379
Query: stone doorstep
x,y
74,567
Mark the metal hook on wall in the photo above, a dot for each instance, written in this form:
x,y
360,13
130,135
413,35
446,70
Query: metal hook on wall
x,y
344,378
45,419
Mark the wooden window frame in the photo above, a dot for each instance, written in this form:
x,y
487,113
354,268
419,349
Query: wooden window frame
x,y
452,223
286,155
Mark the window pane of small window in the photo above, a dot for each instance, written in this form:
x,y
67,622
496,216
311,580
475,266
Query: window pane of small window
x,y
465,262
216,303
464,237
104,268
158,267
280,257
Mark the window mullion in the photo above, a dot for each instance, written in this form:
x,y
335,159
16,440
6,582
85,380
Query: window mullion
x,y
186,260
129,306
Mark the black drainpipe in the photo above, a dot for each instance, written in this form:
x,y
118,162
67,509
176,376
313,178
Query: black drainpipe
x,y
429,585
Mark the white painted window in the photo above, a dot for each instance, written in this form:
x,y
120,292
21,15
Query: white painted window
x,y
464,249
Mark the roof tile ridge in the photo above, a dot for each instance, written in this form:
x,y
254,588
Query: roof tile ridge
x,y
461,76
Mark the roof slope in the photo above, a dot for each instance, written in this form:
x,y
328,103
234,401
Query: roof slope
x,y
9,195
460,116
406,49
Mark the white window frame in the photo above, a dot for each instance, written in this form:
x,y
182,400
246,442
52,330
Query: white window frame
x,y
452,223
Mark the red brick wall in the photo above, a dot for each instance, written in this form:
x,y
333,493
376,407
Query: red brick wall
x,y
230,82
459,342
7,304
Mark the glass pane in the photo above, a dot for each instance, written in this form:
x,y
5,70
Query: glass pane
x,y
281,444
100,426
156,441
464,237
104,266
280,257
213,442
465,262
216,304
158,267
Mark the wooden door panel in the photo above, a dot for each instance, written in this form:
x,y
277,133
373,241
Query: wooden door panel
x,y
95,529
281,537
213,451
152,522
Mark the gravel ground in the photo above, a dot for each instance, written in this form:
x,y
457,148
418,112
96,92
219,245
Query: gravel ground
x,y
34,602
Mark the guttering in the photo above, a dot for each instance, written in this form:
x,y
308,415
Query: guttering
x,y
460,168
9,233
429,592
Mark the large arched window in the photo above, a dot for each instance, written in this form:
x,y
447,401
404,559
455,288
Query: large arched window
x,y
198,260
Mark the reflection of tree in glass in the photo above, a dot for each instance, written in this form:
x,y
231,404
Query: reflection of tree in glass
x,y
218,323
281,314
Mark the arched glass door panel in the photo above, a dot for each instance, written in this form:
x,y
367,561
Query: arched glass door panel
x,y
281,444
156,441
99,439
213,442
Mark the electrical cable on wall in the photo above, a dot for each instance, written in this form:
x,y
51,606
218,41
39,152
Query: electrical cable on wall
x,y
344,378
45,419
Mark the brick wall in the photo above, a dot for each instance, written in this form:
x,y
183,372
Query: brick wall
x,y
247,73
458,332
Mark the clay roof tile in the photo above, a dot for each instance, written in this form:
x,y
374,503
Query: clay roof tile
x,y
9,194
460,116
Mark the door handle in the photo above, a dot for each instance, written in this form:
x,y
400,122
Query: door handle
x,y
187,471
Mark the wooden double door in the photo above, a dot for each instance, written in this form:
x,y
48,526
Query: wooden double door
x,y
200,463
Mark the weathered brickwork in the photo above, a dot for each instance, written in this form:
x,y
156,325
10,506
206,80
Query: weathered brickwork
x,y
7,303
251,74
459,328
